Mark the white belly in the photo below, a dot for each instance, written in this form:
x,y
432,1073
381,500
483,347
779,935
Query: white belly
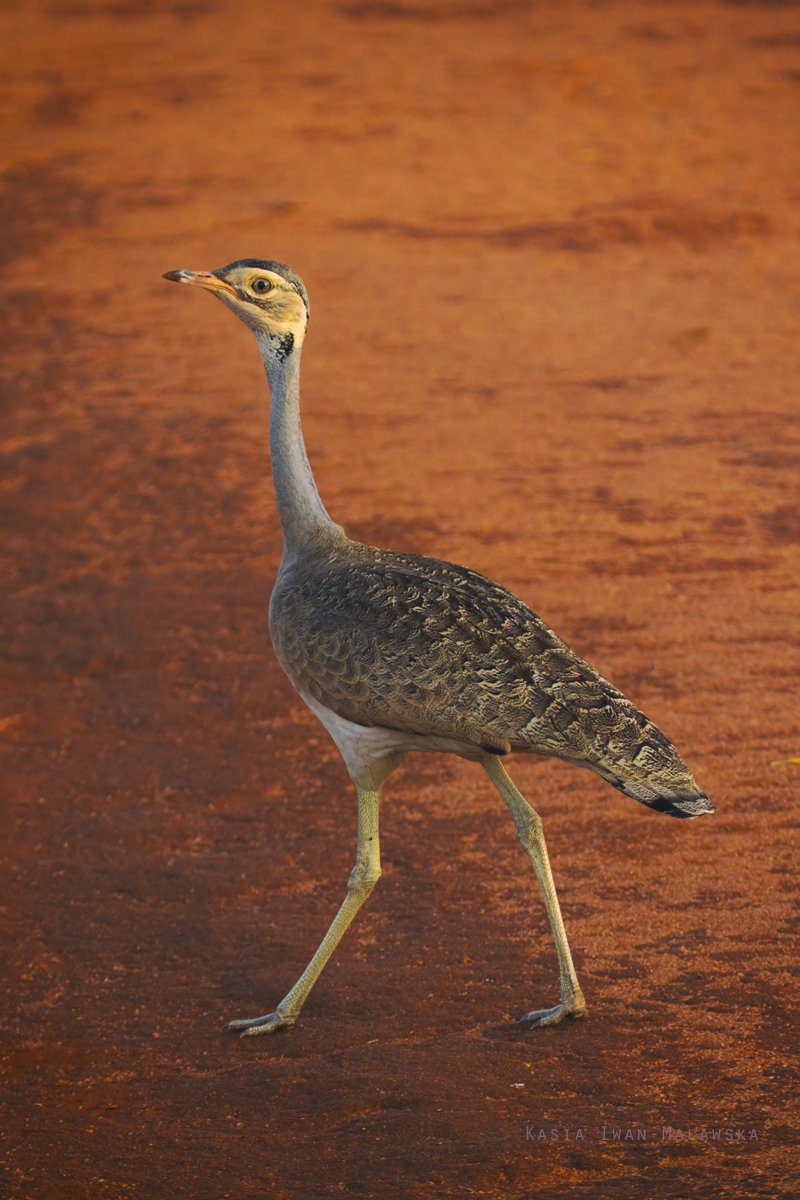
x,y
362,745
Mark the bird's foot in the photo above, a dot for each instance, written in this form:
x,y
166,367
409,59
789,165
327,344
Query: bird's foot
x,y
574,1006
258,1025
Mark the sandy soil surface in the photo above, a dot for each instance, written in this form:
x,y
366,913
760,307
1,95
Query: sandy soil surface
x,y
552,251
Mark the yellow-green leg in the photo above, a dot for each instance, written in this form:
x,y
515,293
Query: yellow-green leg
x,y
364,876
528,825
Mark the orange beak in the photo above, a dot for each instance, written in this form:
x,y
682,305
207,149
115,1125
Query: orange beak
x,y
203,279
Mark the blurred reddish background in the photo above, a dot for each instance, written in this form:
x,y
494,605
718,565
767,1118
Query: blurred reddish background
x,y
552,251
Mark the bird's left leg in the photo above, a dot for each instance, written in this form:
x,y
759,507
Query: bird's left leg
x,y
528,825
364,876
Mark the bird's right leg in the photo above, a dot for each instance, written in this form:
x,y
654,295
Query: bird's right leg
x,y
528,826
364,876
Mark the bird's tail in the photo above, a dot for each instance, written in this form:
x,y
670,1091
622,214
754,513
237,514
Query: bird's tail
x,y
685,805
681,797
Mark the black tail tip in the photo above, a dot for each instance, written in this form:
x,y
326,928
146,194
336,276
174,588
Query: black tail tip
x,y
665,800
690,807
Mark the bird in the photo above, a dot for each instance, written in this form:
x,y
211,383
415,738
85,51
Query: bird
x,y
398,652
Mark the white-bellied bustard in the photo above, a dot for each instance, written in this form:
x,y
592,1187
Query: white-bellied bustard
x,y
396,652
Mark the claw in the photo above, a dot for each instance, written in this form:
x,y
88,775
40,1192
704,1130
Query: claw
x,y
574,1006
259,1025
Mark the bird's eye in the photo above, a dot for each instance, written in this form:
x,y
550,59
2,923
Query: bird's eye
x,y
261,286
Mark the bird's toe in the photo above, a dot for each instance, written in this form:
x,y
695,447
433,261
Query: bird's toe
x,y
574,1007
258,1025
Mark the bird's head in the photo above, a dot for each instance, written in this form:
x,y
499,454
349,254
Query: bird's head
x,y
267,296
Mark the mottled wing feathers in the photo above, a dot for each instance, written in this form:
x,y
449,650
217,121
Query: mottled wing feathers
x,y
428,647
409,643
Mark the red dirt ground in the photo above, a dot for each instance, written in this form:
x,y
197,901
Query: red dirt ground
x,y
552,251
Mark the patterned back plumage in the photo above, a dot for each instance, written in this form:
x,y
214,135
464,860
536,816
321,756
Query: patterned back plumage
x,y
424,646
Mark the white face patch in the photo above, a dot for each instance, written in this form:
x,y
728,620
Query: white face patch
x,y
278,312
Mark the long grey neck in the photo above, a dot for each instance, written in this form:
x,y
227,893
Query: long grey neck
x,y
303,517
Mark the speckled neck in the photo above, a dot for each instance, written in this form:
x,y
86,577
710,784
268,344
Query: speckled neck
x,y
303,516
